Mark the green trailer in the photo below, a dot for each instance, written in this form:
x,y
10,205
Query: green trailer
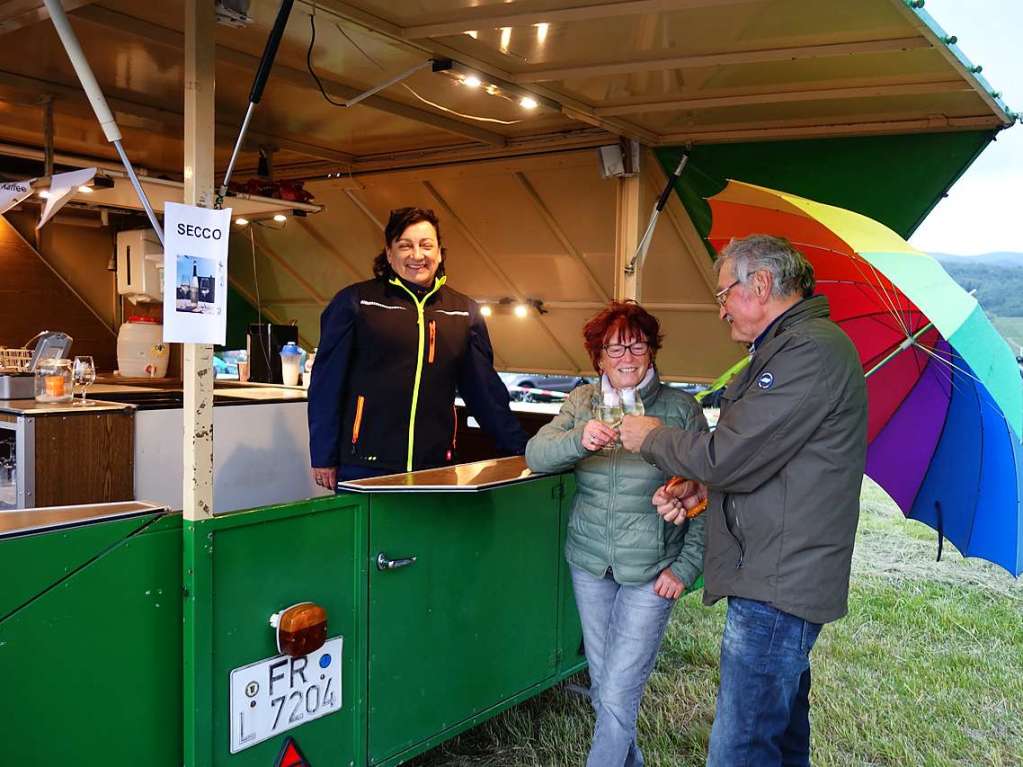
x,y
474,614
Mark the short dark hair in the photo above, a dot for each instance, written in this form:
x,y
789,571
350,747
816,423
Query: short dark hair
x,y
629,319
400,220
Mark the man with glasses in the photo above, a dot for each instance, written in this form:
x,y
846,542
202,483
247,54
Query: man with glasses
x,y
784,468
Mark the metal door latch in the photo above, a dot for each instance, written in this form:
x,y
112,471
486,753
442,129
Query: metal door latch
x,y
383,563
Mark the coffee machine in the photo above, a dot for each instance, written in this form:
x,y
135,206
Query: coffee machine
x,y
264,343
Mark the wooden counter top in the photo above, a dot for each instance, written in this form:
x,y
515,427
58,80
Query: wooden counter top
x,y
465,477
15,523
33,408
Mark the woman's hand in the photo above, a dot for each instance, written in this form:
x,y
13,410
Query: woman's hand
x,y
326,477
674,499
597,435
668,585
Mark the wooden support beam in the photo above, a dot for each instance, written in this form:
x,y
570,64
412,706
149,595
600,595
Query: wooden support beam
x,y
197,443
627,233
197,498
861,126
18,14
264,248
494,265
164,117
299,77
559,233
492,16
329,246
786,97
754,56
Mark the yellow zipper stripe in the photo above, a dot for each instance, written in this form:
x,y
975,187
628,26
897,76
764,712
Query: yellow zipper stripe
x,y
420,322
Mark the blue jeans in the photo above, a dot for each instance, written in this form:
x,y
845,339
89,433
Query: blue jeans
x,y
763,708
622,631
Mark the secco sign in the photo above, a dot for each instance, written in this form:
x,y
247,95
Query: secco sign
x,y
280,693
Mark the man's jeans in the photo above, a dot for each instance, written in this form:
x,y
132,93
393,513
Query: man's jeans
x,y
763,708
622,631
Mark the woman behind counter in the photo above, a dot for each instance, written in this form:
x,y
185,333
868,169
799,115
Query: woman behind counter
x,y
392,352
628,565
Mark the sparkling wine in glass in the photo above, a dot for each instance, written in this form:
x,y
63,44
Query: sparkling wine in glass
x,y
83,373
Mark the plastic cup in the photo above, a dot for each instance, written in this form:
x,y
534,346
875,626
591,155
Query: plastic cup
x,y
289,369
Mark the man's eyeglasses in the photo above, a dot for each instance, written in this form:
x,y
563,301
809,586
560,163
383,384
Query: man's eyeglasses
x,y
637,348
722,295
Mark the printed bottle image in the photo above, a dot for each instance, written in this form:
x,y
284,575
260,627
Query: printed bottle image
x,y
193,288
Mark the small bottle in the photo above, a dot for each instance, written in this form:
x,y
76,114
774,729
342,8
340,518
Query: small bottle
x,y
193,288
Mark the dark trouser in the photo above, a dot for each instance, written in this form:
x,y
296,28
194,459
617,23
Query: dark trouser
x,y
763,706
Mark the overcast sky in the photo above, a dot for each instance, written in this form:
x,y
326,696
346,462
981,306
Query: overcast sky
x,y
984,210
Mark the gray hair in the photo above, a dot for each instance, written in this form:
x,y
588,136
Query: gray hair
x,y
790,271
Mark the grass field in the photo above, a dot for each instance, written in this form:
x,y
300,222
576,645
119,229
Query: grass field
x,y
1011,329
927,669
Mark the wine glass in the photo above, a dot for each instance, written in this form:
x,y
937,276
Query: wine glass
x,y
83,373
610,415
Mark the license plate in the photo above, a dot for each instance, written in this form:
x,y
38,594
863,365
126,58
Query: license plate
x,y
278,694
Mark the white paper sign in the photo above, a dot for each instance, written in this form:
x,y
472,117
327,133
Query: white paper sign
x,y
62,187
195,273
13,192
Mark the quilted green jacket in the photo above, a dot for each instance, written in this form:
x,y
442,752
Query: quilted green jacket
x,y
613,524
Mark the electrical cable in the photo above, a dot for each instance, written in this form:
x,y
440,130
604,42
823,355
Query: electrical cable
x,y
344,104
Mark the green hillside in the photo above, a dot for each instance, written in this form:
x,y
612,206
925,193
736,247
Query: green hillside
x,y
999,288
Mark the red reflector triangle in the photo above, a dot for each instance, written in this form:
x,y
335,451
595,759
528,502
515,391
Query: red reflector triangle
x,y
290,755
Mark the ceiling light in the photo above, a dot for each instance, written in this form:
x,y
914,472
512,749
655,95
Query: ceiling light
x,y
280,218
521,310
472,33
541,32
241,221
505,38
494,86
486,310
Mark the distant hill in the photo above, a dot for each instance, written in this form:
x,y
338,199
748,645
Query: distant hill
x,y
1002,258
999,283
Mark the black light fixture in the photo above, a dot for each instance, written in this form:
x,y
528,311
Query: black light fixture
x,y
507,305
494,86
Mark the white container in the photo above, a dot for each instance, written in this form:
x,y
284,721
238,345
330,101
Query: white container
x,y
291,358
141,352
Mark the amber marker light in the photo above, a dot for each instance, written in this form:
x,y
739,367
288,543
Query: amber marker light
x,y
301,629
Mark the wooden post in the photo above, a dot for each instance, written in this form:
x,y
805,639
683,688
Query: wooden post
x,y
198,373
627,234
197,496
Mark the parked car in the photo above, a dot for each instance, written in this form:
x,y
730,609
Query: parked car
x,y
563,384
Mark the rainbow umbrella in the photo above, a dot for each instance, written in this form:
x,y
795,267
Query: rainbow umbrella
x,y
944,390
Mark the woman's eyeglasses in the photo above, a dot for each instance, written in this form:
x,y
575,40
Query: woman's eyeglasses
x,y
637,348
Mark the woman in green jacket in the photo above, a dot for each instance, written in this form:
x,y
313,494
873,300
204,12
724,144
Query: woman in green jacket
x,y
628,565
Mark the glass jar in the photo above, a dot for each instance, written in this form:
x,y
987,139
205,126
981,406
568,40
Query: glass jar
x,y
53,381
